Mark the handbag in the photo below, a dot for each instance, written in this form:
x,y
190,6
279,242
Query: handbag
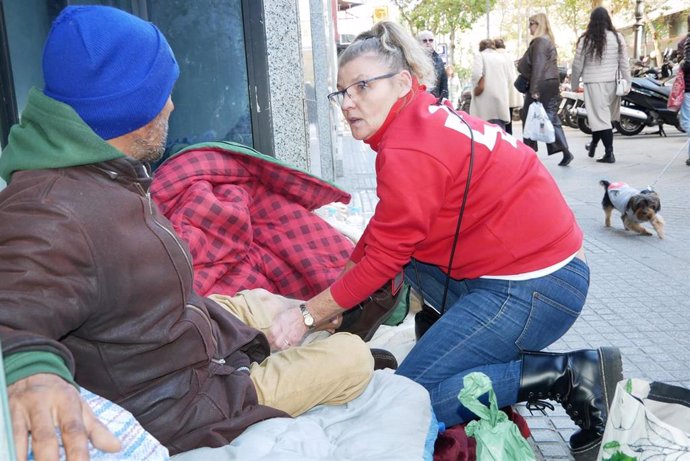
x,y
364,319
621,84
538,127
521,84
425,318
647,421
479,89
675,97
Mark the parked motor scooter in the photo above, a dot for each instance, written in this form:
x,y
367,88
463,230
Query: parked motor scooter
x,y
570,101
577,114
644,105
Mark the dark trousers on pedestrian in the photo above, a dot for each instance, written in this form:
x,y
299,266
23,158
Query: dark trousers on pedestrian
x,y
548,96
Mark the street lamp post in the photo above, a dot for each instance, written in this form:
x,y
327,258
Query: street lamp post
x,y
638,28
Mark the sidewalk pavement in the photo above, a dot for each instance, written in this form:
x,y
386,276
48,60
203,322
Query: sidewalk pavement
x,y
639,297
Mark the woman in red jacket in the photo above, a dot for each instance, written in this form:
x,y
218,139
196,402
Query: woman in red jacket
x,y
517,280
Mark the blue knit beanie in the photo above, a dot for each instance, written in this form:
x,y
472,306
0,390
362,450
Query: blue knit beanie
x,y
114,69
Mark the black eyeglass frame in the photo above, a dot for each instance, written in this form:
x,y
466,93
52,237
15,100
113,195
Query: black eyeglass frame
x,y
337,97
428,40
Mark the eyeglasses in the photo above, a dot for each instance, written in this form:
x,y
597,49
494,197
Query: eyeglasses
x,y
428,40
356,90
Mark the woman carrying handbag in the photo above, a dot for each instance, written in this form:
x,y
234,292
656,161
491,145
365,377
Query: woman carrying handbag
x,y
539,66
601,59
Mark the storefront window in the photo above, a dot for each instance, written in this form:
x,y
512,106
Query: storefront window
x,y
212,95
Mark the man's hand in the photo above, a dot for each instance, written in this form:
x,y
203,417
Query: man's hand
x,y
43,402
287,330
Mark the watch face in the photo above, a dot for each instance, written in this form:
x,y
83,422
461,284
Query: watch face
x,y
308,319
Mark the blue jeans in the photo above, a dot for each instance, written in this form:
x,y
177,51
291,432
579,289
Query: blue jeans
x,y
685,117
485,327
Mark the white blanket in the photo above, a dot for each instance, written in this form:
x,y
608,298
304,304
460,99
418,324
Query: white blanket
x,y
391,420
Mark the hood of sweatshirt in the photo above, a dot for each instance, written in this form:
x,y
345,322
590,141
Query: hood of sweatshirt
x,y
51,135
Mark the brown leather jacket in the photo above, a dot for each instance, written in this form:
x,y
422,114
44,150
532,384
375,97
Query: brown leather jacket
x,y
90,270
539,63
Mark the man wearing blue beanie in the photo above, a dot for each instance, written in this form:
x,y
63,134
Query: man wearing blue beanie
x,y
96,288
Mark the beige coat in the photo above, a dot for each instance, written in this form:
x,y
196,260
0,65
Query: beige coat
x,y
515,98
493,103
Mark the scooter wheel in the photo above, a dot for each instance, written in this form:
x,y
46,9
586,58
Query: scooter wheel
x,y
629,126
583,125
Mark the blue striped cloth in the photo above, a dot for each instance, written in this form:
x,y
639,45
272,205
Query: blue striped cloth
x,y
137,444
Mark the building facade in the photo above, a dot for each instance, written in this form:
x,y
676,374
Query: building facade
x,y
252,71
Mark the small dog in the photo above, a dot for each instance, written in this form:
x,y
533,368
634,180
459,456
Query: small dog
x,y
634,205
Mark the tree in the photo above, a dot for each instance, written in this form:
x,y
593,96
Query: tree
x,y
658,28
448,17
405,8
575,13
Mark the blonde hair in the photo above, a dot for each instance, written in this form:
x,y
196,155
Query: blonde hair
x,y
395,47
543,26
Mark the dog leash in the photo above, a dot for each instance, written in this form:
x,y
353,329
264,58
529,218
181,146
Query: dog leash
x,y
683,147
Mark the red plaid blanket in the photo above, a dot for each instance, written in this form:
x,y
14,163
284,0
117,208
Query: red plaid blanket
x,y
248,221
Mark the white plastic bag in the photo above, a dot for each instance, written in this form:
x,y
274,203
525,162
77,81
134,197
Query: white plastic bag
x,y
647,421
538,127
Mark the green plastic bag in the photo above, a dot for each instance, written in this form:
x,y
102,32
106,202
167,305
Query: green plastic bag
x,y
498,438
401,310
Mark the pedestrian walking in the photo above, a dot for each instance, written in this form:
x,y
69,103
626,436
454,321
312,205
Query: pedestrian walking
x,y
601,58
440,83
490,80
515,98
539,65
685,108
454,87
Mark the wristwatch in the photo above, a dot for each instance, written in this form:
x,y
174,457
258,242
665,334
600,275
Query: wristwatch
x,y
308,319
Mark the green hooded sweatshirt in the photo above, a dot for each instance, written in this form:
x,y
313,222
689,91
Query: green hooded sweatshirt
x,y
51,135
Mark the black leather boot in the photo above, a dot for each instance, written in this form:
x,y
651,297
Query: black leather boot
x,y
607,158
591,148
384,359
583,382
567,158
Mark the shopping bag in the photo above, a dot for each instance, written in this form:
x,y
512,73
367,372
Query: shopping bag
x,y
498,438
621,84
647,421
675,97
521,84
538,127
